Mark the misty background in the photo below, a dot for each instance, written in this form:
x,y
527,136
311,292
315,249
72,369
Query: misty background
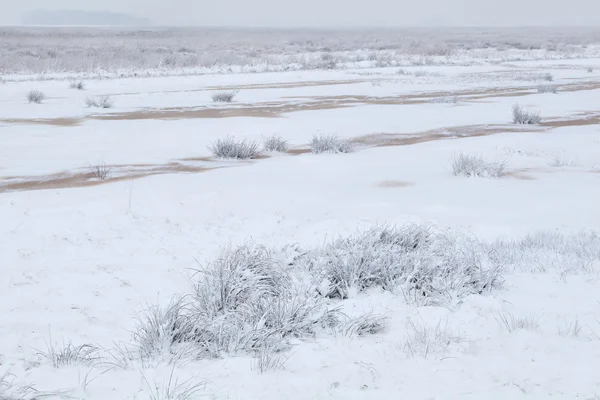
x,y
305,13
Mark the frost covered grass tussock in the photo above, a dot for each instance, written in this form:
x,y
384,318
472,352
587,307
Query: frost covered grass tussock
x,y
445,100
275,143
229,148
77,85
522,116
223,97
252,299
330,144
547,89
471,165
568,253
36,96
99,102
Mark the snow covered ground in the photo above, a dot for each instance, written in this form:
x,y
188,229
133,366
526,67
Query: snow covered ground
x,y
82,257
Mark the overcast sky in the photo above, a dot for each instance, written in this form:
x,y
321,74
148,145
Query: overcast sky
x,y
330,12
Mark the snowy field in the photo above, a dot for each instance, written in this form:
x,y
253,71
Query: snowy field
x,y
445,252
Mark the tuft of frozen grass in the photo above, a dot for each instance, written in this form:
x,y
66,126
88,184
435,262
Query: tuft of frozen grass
x,y
522,116
429,341
330,144
590,70
223,97
558,161
77,85
570,328
471,165
11,390
362,325
175,390
69,354
275,143
514,323
544,251
99,102
35,96
229,148
547,89
269,358
100,170
428,268
445,100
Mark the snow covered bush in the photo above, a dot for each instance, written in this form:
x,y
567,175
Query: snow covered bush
x,y
330,144
35,96
547,89
99,102
223,97
229,148
470,165
445,100
77,85
100,170
521,116
275,143
428,268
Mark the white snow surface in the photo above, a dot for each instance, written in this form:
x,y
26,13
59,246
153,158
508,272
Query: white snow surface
x,y
78,263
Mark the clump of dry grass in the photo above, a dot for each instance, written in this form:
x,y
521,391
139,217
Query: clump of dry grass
x,y
275,143
330,144
522,116
470,165
229,148
100,170
77,85
99,102
36,96
223,97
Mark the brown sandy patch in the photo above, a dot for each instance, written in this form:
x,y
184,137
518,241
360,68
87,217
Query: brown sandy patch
x,y
583,119
394,184
70,121
65,180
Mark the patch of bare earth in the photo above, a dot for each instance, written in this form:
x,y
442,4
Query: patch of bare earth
x,y
394,184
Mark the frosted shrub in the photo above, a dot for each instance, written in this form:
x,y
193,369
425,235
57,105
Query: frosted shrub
x,y
77,85
330,144
547,89
99,102
522,116
445,100
223,97
470,165
35,96
229,148
275,143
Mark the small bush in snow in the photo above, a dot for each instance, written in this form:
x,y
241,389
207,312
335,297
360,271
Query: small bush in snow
x,y
546,89
367,324
470,165
275,143
223,97
35,96
445,100
330,144
229,148
570,328
421,73
100,170
521,116
77,85
69,354
427,268
99,102
590,70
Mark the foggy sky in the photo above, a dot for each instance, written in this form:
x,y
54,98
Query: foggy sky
x,y
324,13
